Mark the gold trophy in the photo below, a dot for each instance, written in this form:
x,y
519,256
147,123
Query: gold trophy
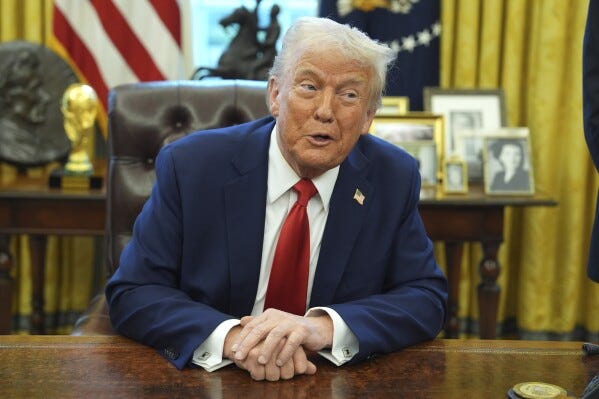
x,y
79,108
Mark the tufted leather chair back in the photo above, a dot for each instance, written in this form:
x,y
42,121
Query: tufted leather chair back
x,y
143,117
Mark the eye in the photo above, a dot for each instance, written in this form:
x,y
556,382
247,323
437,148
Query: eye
x,y
350,96
308,86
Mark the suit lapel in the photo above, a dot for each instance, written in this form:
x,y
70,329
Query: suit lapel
x,y
344,222
245,202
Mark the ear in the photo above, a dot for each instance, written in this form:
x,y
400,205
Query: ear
x,y
368,121
273,96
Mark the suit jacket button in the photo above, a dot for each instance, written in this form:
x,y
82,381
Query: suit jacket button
x,y
171,353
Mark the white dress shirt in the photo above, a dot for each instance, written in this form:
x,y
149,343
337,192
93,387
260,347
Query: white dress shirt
x,y
279,201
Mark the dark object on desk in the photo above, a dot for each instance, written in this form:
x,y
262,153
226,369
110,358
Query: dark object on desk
x,y
592,390
534,390
246,57
60,178
142,117
32,81
590,349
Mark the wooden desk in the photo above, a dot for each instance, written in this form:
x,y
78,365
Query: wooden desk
x,y
27,206
114,367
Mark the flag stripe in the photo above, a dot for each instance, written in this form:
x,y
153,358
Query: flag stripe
x,y
126,41
113,67
153,34
80,55
169,12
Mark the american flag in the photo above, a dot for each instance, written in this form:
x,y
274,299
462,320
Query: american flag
x,y
111,42
359,197
410,27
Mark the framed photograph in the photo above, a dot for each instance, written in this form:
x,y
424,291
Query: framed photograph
x,y
425,152
455,176
420,134
507,165
465,109
392,106
469,145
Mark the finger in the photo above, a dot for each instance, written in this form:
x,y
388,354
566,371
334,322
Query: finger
x,y
257,372
287,371
274,343
292,343
244,321
300,362
311,368
272,372
249,337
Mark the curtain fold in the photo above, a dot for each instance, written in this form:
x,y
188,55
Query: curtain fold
x,y
533,50
70,265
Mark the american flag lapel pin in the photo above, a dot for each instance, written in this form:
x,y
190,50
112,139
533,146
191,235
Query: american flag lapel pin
x,y
359,197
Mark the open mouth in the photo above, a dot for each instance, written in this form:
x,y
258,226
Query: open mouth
x,y
320,138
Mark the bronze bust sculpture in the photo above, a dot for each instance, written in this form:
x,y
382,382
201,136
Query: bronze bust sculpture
x,y
32,81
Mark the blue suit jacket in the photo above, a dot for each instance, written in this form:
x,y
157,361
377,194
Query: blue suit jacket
x,y
194,259
590,95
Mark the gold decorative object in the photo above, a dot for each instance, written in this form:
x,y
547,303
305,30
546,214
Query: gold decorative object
x,y
79,107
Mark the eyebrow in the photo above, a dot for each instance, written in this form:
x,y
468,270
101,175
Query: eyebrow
x,y
309,72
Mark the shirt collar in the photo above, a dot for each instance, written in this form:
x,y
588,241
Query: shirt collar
x,y
281,177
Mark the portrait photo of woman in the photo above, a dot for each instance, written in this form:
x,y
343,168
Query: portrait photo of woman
x,y
507,166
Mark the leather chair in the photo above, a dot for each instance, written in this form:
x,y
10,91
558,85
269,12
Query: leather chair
x,y
142,117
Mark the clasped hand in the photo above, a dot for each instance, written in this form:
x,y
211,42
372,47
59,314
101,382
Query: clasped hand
x,y
273,346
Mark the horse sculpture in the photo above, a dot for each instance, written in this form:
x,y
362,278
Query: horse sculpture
x,y
245,57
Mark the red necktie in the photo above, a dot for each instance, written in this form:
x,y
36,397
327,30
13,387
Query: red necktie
x,y
288,282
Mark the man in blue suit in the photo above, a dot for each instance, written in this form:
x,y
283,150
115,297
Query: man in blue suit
x,y
590,96
195,281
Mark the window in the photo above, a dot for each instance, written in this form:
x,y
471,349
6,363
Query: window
x,y
209,39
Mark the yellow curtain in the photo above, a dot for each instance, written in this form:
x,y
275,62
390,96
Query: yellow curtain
x,y
70,261
532,49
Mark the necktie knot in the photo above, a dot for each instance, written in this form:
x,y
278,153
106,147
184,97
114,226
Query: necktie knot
x,y
305,190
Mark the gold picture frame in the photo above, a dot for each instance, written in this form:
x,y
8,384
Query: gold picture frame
x,y
392,106
420,134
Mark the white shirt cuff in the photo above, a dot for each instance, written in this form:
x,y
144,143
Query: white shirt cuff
x,y
345,344
209,355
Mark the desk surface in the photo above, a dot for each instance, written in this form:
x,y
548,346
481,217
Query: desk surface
x,y
114,367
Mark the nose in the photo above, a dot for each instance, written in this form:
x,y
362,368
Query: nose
x,y
324,107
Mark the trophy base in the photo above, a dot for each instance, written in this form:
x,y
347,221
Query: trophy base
x,y
59,178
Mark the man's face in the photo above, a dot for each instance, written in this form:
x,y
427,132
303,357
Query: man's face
x,y
322,108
